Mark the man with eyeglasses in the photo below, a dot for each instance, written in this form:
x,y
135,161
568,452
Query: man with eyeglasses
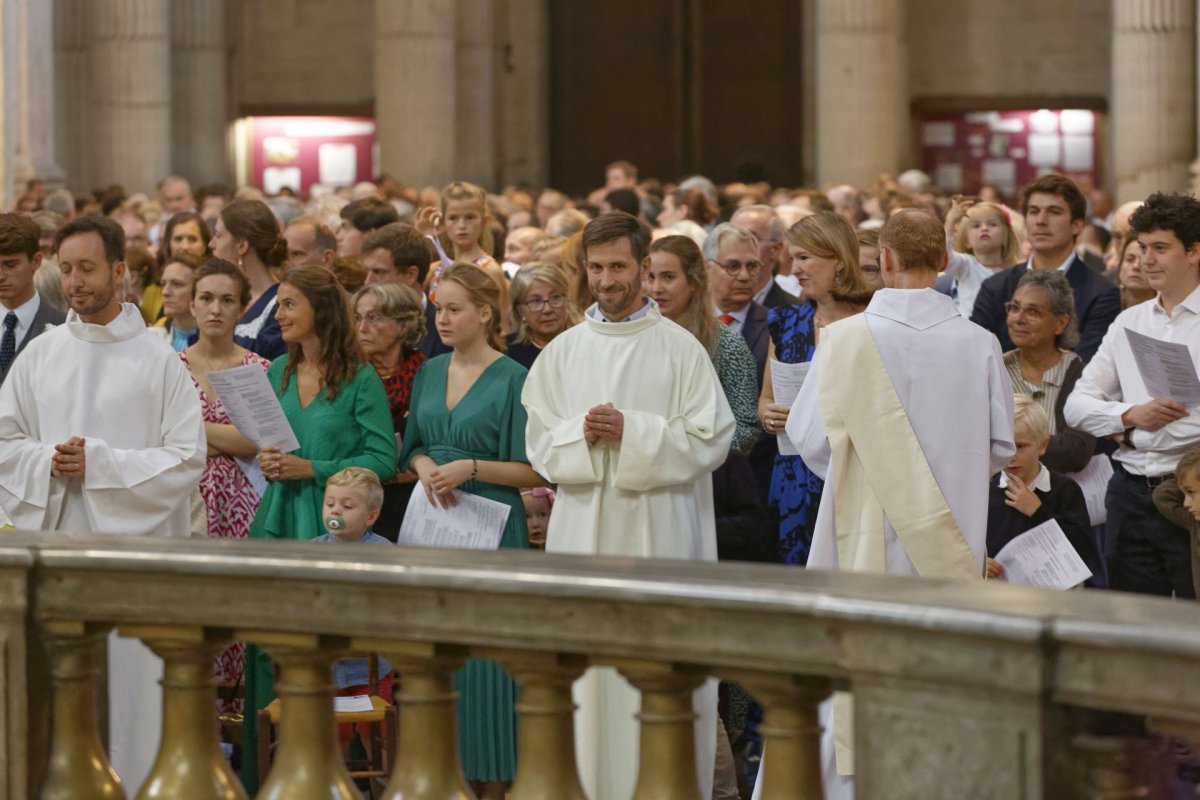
x,y
764,222
1055,213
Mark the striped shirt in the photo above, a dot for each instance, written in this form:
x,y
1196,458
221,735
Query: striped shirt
x,y
1046,394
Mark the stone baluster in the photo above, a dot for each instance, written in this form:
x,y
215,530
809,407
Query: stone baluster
x,y
546,723
667,748
189,761
78,768
427,765
792,731
308,761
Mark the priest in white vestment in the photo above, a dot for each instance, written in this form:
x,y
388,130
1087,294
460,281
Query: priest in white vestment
x,y
627,417
101,432
906,414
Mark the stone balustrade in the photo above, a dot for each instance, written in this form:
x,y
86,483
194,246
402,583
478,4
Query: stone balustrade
x,y
981,690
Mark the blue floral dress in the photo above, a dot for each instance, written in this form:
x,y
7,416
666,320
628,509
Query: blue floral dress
x,y
795,491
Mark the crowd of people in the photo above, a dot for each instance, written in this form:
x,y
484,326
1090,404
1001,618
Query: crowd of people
x,y
881,379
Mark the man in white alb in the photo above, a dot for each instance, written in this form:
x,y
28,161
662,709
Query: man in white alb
x,y
907,437
627,416
101,432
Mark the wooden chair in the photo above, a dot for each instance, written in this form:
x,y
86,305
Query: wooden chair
x,y
380,744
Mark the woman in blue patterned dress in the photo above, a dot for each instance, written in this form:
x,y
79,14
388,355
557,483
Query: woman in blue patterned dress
x,y
824,250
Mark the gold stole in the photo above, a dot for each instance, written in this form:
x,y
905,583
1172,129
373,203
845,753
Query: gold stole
x,y
877,467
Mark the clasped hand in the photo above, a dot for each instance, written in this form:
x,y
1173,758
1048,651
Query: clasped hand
x,y
604,422
277,466
69,459
440,482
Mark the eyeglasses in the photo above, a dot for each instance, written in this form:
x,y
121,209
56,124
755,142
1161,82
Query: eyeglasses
x,y
372,319
1032,312
537,304
732,268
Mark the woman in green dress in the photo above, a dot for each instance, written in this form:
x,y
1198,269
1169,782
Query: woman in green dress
x,y
466,432
338,408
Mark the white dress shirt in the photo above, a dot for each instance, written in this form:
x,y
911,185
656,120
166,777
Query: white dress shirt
x,y
25,314
739,317
1111,384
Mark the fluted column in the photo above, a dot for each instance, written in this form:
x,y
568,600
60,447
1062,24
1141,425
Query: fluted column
x,y
78,768
198,98
1153,106
475,115
523,92
857,84
189,761
131,62
415,85
74,102
427,764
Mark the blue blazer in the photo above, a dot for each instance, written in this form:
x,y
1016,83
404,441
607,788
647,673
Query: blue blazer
x,y
1097,303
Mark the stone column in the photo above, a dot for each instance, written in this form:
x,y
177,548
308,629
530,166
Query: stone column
x,y
198,97
131,63
35,145
475,111
857,85
415,84
1153,107
523,92
73,100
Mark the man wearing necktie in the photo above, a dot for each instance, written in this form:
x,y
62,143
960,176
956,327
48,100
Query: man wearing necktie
x,y
25,314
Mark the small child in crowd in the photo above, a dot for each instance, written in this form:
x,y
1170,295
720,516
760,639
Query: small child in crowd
x,y
539,502
1026,493
1179,501
353,498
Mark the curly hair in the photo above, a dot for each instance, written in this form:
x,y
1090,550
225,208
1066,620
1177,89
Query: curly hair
x,y
1177,213
400,303
333,326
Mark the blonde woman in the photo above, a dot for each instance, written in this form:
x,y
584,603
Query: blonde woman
x,y
542,308
466,433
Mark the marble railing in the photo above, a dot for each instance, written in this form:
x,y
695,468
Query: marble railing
x,y
961,690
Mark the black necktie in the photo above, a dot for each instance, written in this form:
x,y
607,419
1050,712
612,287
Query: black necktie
x,y
8,345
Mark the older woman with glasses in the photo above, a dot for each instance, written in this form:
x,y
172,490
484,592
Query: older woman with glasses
x,y
1041,323
390,325
542,308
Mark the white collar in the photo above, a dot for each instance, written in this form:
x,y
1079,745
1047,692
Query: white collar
x,y
1063,267
1041,482
25,312
917,308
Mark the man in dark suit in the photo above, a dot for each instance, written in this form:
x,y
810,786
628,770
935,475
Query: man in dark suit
x,y
1055,211
767,227
399,253
23,314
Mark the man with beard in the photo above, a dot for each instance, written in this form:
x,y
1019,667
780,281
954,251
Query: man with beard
x,y
627,417
101,432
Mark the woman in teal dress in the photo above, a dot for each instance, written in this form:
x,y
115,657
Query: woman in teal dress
x,y
338,408
466,432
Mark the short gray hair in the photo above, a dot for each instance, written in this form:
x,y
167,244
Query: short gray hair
x,y
775,227
712,243
1059,297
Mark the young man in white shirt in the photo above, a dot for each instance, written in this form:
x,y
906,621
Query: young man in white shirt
x,y
1146,553
23,315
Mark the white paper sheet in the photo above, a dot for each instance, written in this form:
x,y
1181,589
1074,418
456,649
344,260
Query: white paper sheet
x,y
476,523
252,405
1167,368
1043,556
1093,480
786,380
352,704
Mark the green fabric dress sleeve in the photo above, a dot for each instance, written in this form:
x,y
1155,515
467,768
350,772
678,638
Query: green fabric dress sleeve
x,y
512,429
369,407
414,441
